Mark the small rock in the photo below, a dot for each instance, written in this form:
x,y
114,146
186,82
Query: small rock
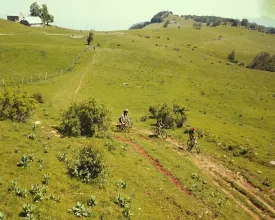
x,y
37,122
272,162
259,171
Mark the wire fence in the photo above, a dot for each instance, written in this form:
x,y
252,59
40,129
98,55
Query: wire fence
x,y
36,78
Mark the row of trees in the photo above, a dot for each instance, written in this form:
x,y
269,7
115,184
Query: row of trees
x,y
213,21
159,17
41,12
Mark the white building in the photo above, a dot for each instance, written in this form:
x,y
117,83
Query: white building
x,y
15,17
32,21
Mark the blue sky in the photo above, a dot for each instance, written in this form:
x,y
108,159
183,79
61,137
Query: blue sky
x,y
121,14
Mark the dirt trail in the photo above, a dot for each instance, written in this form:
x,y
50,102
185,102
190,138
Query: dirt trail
x,y
218,170
156,163
222,177
87,68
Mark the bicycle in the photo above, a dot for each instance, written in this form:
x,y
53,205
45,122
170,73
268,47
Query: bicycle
x,y
193,143
125,126
161,132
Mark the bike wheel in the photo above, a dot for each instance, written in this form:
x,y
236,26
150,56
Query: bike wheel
x,y
189,145
163,134
118,127
198,149
156,131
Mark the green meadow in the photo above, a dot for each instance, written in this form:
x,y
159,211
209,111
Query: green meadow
x,y
233,105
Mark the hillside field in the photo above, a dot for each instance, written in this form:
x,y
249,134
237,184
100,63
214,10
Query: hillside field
x,y
232,105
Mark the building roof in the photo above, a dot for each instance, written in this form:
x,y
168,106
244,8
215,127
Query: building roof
x,y
15,14
33,20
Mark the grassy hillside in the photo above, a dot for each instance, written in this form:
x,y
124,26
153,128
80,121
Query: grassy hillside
x,y
136,69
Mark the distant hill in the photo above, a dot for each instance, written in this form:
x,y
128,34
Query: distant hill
x,y
263,24
157,18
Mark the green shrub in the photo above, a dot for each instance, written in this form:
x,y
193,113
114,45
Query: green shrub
x,y
231,56
86,119
266,182
172,115
90,37
263,61
15,105
38,97
90,166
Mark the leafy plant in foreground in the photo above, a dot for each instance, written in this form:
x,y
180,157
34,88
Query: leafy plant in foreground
x,y
46,180
122,184
122,202
54,198
40,164
79,210
127,213
17,190
2,216
31,136
62,157
28,211
92,201
38,191
25,160
125,204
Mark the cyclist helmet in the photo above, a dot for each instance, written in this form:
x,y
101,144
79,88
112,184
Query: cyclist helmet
x,y
126,110
193,129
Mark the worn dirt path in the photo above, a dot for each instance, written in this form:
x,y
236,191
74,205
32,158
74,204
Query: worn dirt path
x,y
220,174
87,68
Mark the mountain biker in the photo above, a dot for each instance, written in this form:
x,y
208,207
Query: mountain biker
x,y
159,124
192,132
123,117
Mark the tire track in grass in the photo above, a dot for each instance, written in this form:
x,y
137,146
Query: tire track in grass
x,y
83,75
218,173
174,180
